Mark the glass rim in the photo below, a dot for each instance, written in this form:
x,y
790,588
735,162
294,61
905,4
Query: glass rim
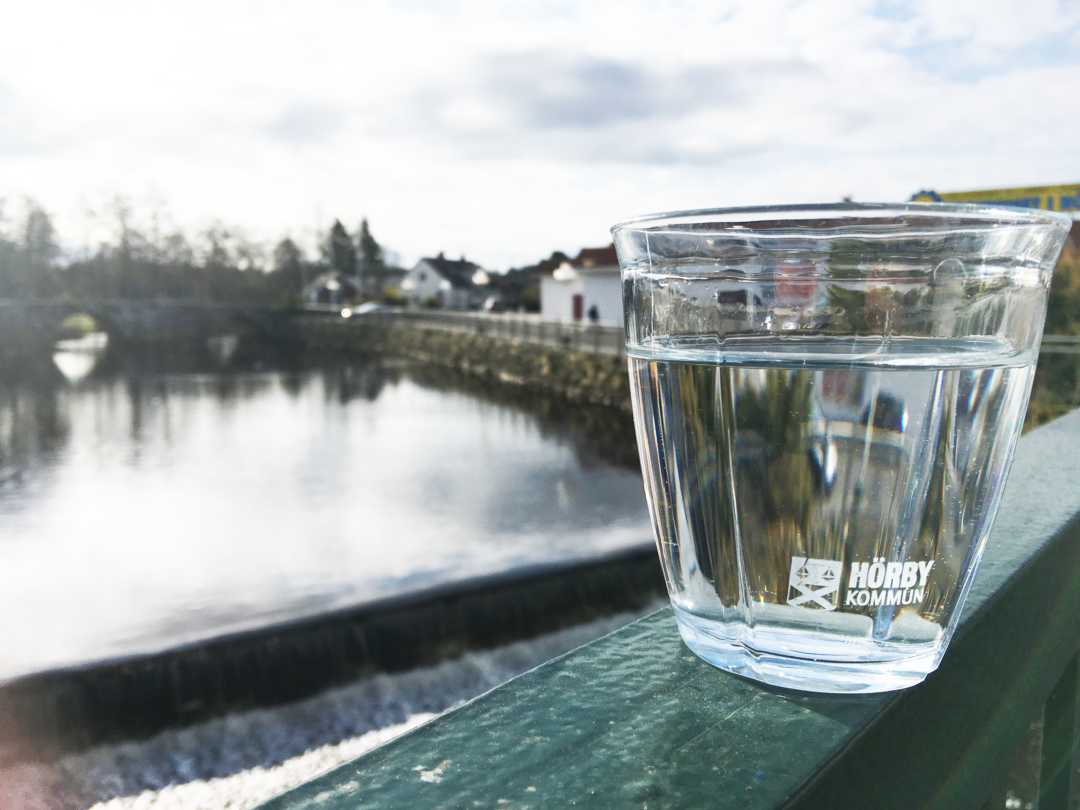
x,y
739,218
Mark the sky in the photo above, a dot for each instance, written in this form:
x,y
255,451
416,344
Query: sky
x,y
503,131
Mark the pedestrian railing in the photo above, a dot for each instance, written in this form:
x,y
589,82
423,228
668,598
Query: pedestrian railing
x,y
635,720
598,338
604,337
1060,344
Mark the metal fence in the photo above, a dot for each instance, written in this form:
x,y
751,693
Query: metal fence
x,y
598,338
1060,344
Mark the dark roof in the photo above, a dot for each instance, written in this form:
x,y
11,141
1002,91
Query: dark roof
x,y
588,257
459,273
545,267
596,257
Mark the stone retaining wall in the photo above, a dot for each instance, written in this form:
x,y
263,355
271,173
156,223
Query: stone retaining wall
x,y
579,376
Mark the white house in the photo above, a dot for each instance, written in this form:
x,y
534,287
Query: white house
x,y
587,288
453,284
333,288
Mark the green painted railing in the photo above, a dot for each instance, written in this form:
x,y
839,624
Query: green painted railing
x,y
635,721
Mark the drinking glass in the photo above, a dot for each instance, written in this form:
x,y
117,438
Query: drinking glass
x,y
827,399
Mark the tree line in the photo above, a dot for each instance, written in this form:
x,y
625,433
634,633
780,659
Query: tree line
x,y
221,264
216,264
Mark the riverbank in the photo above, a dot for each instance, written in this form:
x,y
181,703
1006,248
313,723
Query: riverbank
x,y
578,376
483,349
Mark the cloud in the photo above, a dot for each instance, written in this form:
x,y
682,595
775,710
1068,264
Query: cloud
x,y
968,40
22,126
564,105
477,116
989,30
556,90
305,123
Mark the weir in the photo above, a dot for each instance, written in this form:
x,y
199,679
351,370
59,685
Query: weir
x,y
51,713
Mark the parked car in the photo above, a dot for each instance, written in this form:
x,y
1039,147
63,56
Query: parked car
x,y
366,309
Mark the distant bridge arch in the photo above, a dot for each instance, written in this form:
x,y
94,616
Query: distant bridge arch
x,y
31,323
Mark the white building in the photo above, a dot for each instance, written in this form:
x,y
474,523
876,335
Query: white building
x,y
452,284
333,288
587,288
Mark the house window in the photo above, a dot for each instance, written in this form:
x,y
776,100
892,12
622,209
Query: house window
x,y
423,276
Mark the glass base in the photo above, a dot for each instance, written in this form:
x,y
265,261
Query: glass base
x,y
710,641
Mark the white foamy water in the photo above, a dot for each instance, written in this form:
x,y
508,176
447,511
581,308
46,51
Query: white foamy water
x,y
237,761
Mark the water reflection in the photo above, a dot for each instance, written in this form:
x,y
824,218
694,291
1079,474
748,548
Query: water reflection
x,y
77,357
142,507
223,347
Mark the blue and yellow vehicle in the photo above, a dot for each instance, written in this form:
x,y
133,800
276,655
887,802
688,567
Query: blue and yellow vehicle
x,y
1050,198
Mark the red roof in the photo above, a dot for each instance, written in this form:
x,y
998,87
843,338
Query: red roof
x,y
596,257
588,257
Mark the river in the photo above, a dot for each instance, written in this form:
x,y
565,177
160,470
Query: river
x,y
145,506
